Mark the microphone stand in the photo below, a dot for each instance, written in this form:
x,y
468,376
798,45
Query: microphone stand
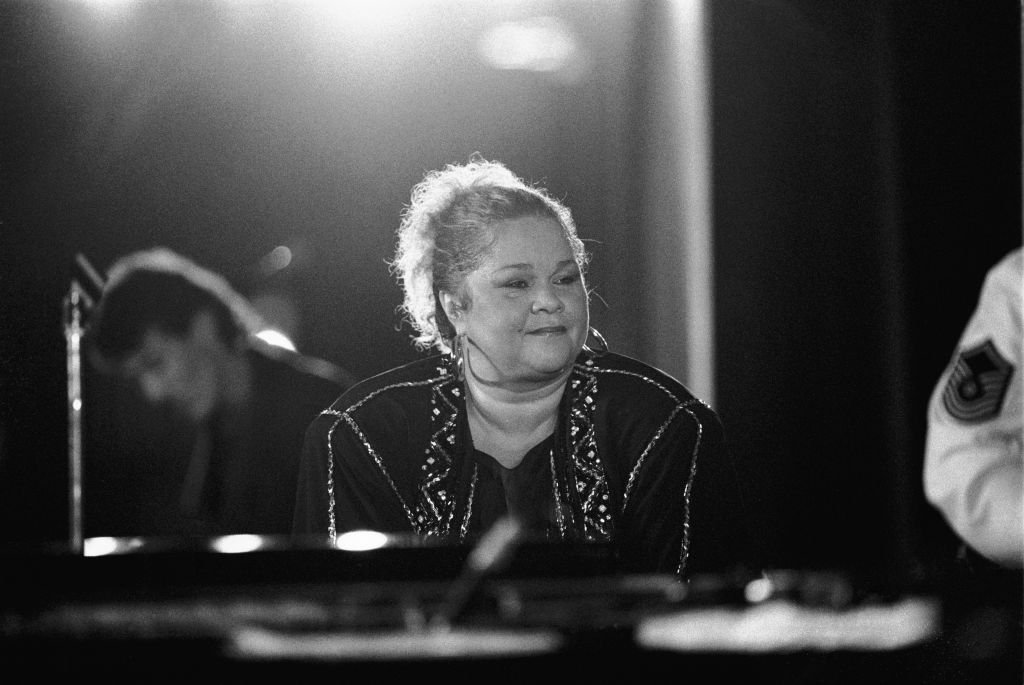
x,y
73,305
491,554
76,304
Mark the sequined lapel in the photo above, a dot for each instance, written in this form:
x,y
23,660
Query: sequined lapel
x,y
444,507
437,497
580,481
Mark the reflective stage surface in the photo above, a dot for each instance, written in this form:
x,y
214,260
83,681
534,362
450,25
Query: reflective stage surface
x,y
161,609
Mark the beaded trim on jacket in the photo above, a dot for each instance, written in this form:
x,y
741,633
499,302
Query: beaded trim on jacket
x,y
583,508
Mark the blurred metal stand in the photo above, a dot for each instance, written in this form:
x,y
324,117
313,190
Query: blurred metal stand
x,y
73,304
76,305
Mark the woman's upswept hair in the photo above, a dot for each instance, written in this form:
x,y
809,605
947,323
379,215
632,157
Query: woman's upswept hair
x,y
444,235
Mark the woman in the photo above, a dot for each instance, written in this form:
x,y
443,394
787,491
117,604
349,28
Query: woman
x,y
516,415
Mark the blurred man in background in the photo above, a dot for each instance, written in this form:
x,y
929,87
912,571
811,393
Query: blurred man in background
x,y
196,422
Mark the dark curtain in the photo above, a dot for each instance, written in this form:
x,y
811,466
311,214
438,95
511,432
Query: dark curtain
x,y
867,174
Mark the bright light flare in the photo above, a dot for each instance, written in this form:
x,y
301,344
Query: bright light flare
x,y
235,544
275,260
539,44
276,338
361,540
105,546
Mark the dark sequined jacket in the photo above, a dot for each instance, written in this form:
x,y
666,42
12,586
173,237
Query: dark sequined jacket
x,y
636,462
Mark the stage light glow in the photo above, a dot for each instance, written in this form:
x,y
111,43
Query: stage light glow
x,y
103,546
758,590
363,13
276,338
234,544
111,11
98,547
102,4
361,540
275,260
357,20
540,44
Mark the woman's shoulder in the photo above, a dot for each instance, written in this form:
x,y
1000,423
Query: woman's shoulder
x,y
396,385
627,376
629,392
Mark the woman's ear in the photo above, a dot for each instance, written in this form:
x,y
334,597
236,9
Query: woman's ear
x,y
453,308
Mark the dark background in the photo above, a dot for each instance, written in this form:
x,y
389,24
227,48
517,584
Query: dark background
x,y
866,173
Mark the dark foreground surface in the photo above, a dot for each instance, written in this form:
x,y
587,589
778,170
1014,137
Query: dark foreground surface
x,y
177,613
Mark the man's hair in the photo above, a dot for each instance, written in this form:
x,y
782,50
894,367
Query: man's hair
x,y
159,289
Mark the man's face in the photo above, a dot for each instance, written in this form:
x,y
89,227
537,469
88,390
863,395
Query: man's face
x,y
177,371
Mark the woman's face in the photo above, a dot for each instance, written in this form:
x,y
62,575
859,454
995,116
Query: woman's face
x,y
524,311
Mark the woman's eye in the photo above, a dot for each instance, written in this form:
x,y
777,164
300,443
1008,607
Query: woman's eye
x,y
517,284
569,278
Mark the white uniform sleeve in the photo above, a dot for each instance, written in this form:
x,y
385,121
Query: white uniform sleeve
x,y
973,462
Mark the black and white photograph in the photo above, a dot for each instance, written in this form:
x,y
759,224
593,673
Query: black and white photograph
x,y
669,340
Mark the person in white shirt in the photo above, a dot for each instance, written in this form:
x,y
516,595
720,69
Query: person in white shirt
x,y
973,461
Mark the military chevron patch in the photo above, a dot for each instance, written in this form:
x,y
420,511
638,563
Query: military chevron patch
x,y
978,383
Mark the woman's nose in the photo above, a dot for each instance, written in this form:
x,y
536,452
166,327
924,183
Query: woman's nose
x,y
547,300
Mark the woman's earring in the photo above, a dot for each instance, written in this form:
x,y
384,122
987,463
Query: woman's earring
x,y
458,364
602,344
